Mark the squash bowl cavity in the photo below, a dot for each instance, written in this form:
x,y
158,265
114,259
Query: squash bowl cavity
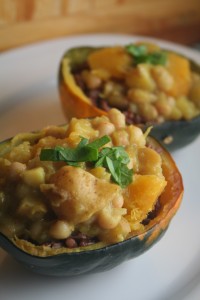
x,y
147,93
95,257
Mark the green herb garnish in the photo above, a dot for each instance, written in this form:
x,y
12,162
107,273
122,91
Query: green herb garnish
x,y
141,55
136,50
84,152
114,159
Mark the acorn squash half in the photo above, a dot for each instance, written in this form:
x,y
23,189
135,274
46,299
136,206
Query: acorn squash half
x,y
173,134
98,257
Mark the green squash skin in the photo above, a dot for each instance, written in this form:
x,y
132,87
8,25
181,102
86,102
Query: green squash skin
x,y
85,262
182,132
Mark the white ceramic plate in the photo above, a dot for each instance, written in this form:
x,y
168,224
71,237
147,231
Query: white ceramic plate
x,y
171,269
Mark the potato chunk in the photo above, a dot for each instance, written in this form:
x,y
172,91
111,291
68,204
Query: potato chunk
x,y
76,195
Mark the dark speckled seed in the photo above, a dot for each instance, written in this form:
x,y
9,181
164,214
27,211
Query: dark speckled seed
x,y
70,243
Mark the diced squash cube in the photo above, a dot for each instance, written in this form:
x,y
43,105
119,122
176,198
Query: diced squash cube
x,y
115,60
143,193
179,68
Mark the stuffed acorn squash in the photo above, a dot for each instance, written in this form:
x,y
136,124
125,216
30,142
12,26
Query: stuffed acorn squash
x,y
151,86
85,197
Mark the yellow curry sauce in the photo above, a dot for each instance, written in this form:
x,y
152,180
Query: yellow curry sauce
x,y
48,202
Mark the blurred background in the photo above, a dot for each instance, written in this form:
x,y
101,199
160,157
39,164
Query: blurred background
x,y
27,21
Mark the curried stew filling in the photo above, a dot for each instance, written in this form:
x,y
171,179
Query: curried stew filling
x,y
94,180
143,81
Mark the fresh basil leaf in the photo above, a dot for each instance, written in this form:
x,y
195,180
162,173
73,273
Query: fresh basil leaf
x,y
100,161
49,154
121,155
82,154
100,142
126,176
155,58
114,159
136,50
83,142
74,164
112,169
140,55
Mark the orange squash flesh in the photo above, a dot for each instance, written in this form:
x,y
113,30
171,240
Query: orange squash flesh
x,y
115,60
179,68
74,102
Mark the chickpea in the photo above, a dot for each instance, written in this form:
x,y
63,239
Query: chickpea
x,y
117,118
163,78
117,234
114,93
108,218
117,100
136,136
61,229
164,105
105,128
139,96
120,138
148,112
112,87
91,80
